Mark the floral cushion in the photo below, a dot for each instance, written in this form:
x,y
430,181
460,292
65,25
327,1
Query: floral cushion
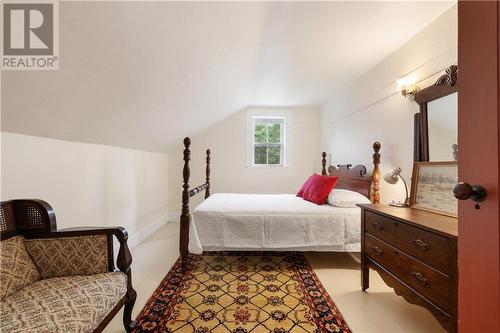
x,y
17,270
64,304
67,256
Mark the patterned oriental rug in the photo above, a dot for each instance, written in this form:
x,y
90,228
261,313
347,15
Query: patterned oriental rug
x,y
241,292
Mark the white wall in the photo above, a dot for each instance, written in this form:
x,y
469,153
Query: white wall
x,y
88,184
230,172
129,70
371,109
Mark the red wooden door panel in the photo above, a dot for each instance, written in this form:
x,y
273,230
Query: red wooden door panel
x,y
478,117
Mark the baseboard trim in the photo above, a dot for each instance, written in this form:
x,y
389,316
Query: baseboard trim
x,y
146,232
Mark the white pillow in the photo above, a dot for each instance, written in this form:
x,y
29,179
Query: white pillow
x,y
346,198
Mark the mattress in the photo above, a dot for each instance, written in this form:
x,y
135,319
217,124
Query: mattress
x,y
272,222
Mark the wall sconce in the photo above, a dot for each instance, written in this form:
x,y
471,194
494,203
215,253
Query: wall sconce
x,y
407,86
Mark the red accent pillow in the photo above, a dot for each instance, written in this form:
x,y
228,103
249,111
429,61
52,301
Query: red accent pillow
x,y
303,188
318,188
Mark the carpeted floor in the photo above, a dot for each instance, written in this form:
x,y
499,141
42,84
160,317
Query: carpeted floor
x,y
241,293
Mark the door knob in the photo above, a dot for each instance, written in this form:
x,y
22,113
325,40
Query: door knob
x,y
463,191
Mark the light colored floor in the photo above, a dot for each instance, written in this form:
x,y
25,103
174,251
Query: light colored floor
x,y
377,310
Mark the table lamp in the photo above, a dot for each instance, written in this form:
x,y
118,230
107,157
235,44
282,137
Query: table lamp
x,y
392,178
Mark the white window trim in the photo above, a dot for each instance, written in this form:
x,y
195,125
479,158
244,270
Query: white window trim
x,y
285,152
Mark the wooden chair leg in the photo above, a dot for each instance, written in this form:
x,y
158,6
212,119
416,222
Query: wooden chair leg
x,y
128,323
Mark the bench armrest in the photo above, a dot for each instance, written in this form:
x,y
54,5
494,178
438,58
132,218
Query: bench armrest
x,y
79,251
124,259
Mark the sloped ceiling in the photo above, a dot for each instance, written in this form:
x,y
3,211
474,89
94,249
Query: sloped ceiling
x,y
143,75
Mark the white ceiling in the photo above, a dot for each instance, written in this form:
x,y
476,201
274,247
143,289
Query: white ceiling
x,y
144,75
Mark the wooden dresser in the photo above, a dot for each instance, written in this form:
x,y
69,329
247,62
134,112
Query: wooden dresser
x,y
415,253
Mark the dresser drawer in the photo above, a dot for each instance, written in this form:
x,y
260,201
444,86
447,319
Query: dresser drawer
x,y
430,248
427,281
381,227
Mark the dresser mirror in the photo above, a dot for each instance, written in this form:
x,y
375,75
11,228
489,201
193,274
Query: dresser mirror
x,y
442,128
436,136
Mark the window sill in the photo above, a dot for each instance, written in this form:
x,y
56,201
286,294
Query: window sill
x,y
267,166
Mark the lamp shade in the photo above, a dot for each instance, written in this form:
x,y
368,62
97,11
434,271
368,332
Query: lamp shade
x,y
393,176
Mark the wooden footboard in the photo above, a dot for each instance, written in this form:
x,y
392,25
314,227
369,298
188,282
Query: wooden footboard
x,y
187,193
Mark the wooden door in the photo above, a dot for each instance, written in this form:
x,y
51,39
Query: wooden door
x,y
478,117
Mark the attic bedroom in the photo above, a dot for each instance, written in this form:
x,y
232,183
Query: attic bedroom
x,y
248,167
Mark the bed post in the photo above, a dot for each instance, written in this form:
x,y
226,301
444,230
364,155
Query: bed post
x,y
185,216
376,173
207,173
323,163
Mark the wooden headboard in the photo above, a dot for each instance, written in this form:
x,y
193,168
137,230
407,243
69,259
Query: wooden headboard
x,y
355,178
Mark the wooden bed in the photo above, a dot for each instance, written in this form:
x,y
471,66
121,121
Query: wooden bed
x,y
350,178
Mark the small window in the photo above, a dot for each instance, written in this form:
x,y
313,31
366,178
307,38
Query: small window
x,y
268,137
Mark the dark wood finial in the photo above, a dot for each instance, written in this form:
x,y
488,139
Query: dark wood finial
x,y
376,173
185,216
323,164
207,173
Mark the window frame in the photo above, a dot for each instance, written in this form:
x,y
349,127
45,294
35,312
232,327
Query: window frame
x,y
282,120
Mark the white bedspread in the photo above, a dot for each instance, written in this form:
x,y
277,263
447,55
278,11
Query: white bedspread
x,y
227,221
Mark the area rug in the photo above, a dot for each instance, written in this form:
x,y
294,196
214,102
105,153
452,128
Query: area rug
x,y
241,292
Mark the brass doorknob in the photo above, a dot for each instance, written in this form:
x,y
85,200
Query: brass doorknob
x,y
463,191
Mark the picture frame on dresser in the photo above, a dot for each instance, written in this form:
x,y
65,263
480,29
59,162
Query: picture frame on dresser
x,y
432,187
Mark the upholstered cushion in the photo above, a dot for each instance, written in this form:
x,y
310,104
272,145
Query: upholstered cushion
x,y
65,304
16,267
67,256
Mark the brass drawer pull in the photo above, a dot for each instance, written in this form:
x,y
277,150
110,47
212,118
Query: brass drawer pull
x,y
377,226
420,278
420,244
378,250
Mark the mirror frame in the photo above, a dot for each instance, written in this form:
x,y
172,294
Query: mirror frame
x,y
446,85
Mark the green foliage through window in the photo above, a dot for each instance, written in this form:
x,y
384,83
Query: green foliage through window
x,y
260,155
260,133
274,155
274,133
267,141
